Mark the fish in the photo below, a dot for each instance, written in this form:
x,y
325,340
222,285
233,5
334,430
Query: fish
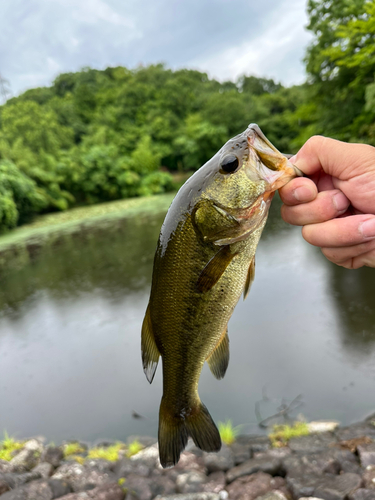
x,y
204,262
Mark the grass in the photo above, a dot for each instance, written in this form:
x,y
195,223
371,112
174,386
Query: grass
x,y
8,446
283,433
112,453
228,433
72,449
134,448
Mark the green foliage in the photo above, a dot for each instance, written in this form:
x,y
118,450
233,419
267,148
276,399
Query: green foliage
x,y
110,453
281,434
8,446
228,433
134,448
71,449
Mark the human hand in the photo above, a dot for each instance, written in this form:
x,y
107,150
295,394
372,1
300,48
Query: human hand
x,y
336,203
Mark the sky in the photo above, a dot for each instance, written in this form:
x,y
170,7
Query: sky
x,y
225,38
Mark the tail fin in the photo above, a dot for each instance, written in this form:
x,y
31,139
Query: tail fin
x,y
174,432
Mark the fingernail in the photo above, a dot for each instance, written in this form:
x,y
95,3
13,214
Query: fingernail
x,y
293,159
367,228
340,201
303,193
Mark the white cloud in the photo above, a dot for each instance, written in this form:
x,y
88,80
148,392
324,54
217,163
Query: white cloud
x,y
276,53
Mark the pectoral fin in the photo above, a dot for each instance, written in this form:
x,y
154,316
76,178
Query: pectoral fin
x,y
213,271
249,278
150,352
219,358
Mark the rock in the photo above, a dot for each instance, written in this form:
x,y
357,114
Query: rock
x,y
360,429
37,490
44,469
190,482
14,480
314,443
4,486
366,454
369,478
323,426
326,486
162,485
188,462
215,482
251,487
149,456
331,461
362,494
4,466
105,492
52,455
255,443
100,464
263,463
220,461
81,477
125,466
28,457
193,496
273,495
59,487
138,487
241,453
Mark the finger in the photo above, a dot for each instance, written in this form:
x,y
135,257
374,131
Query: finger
x,y
299,190
325,182
346,231
339,255
327,205
338,159
366,259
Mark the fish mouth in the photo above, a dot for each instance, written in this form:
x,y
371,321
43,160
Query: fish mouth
x,y
273,166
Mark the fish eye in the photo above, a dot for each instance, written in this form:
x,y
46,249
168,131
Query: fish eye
x,y
229,164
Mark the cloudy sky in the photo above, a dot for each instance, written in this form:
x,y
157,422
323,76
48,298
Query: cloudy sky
x,y
225,38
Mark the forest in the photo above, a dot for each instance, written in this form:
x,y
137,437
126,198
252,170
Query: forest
x,y
96,136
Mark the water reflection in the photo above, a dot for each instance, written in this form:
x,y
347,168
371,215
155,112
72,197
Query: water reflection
x,y
70,325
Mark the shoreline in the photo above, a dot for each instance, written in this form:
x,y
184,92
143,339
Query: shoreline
x,y
336,464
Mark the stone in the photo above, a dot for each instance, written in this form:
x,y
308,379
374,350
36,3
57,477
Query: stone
x,y
149,456
162,485
125,466
145,441
4,486
366,454
14,480
255,485
36,490
220,461
273,495
313,443
81,477
44,469
332,461
52,455
105,492
263,463
190,482
368,478
215,482
323,426
59,487
324,486
192,496
138,487
28,457
255,443
362,494
4,466
241,453
357,430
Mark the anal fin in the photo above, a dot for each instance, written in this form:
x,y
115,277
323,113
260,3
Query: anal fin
x,y
249,278
150,352
219,358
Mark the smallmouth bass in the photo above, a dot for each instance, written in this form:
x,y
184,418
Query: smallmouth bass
x,y
204,261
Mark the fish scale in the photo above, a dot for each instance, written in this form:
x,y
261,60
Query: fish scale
x,y
204,261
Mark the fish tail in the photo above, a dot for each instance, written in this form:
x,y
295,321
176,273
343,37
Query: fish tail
x,y
174,431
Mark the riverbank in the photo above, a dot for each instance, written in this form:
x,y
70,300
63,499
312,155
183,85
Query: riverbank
x,y
19,245
328,465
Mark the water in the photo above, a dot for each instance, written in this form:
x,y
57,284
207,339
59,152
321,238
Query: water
x,y
70,337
